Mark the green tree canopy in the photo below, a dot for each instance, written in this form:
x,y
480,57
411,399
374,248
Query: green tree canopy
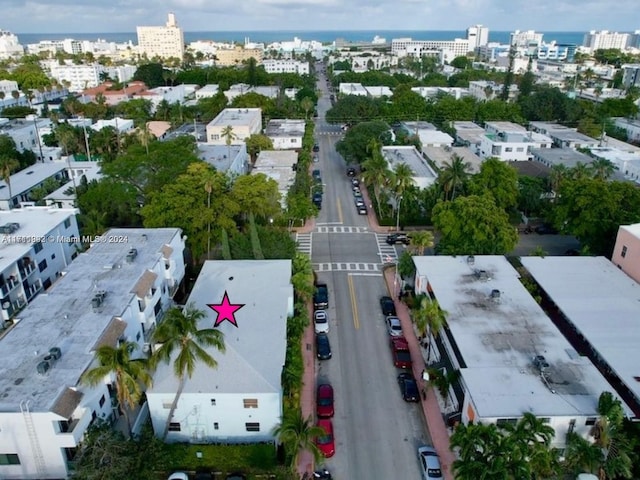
x,y
257,194
353,109
499,179
151,74
355,144
256,143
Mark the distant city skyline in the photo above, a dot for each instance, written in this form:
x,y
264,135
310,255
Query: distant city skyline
x,y
63,16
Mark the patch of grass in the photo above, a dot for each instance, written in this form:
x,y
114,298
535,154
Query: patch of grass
x,y
250,458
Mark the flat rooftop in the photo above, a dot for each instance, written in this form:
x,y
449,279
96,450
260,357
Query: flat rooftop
x,y
572,136
410,156
66,192
256,348
603,305
218,155
34,222
269,159
440,155
461,126
209,88
64,318
550,127
561,156
419,125
620,145
518,137
19,124
26,179
285,128
236,117
498,339
379,91
352,88
434,136
505,127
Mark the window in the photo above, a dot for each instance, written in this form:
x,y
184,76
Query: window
x,y
174,427
508,149
67,223
590,421
215,137
506,421
572,426
166,404
252,427
520,149
624,251
37,247
250,402
9,459
216,426
42,266
102,400
213,402
545,420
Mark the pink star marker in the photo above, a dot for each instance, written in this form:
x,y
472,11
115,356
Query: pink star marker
x,y
225,310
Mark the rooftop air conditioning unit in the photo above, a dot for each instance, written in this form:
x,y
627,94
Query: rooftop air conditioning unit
x,y
55,352
43,367
495,294
131,255
540,362
471,260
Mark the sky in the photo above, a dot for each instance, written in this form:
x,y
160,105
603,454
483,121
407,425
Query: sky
x,y
87,16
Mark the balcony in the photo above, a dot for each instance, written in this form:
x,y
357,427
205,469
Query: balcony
x,y
27,269
32,290
8,286
74,430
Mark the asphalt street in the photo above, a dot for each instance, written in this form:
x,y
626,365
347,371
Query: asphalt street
x,y
376,432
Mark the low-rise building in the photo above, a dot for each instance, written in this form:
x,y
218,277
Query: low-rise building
x,y
65,196
631,126
22,183
423,174
238,89
113,97
378,91
441,156
25,132
434,92
34,250
285,134
512,145
174,94
232,160
279,165
631,75
584,291
237,55
352,89
121,125
566,157
511,357
572,139
244,122
286,66
81,77
468,134
627,163
240,400
627,250
116,291
487,90
207,91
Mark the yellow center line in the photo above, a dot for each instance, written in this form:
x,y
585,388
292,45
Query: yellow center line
x,y
339,210
354,306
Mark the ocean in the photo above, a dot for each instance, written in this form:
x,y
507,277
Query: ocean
x,y
324,36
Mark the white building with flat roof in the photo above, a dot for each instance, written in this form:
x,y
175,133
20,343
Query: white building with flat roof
x,y
440,156
286,66
279,165
233,160
511,357
117,290
162,42
210,90
602,305
243,121
34,250
627,163
433,92
173,94
477,36
468,134
352,89
631,126
240,400
25,181
285,134
508,141
604,39
378,91
526,39
25,132
487,90
121,125
423,174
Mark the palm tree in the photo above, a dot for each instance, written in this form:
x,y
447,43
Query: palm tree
x,y
582,455
376,170
421,240
307,104
580,171
610,437
402,178
145,136
179,333
602,168
557,175
454,174
7,166
229,137
429,319
130,375
297,434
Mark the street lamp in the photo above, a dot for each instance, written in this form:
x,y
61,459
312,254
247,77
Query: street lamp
x,y
398,214
396,280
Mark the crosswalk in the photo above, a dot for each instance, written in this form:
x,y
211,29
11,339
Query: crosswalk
x,y
386,252
330,133
304,243
342,230
347,267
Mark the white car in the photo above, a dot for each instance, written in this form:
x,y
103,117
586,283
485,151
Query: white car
x,y
321,321
394,327
178,476
429,463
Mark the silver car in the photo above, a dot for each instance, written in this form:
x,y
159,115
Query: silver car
x,y
394,327
321,321
429,463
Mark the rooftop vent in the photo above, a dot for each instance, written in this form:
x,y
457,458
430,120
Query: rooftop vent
x,y
131,255
43,367
495,294
9,228
471,260
482,275
55,352
540,363
98,299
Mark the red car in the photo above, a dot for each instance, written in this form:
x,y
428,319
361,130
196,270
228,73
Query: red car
x,y
326,443
400,352
324,401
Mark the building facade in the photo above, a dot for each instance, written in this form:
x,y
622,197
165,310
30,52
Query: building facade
x,y
477,36
162,42
604,39
286,66
285,134
244,122
626,253
9,45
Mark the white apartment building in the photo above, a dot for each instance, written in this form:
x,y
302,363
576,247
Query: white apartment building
x,y
631,75
207,91
628,163
477,36
243,121
278,165
163,42
8,86
423,175
511,357
449,49
286,66
232,160
433,92
24,181
525,39
25,132
121,125
33,254
285,134
352,89
488,90
174,94
65,196
116,291
9,45
511,142
631,126
238,89
597,40
239,401
468,134
81,77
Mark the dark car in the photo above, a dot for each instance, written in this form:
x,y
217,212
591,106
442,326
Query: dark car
x,y
316,148
323,348
546,230
317,200
387,306
362,210
355,182
203,475
235,476
408,387
351,172
324,401
394,238
316,175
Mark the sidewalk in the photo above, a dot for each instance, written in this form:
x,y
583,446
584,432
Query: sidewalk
x,y
307,393
431,409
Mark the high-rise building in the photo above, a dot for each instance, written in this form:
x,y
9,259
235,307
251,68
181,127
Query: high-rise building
x,y
163,42
477,36
526,39
596,40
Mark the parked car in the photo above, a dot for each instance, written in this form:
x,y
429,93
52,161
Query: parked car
x,y
429,463
351,172
323,347
202,474
316,175
178,476
358,197
321,296
387,306
400,352
315,159
324,401
316,148
321,321
546,230
394,327
408,387
356,191
362,210
326,443
317,200
235,476
355,182
394,238
359,202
